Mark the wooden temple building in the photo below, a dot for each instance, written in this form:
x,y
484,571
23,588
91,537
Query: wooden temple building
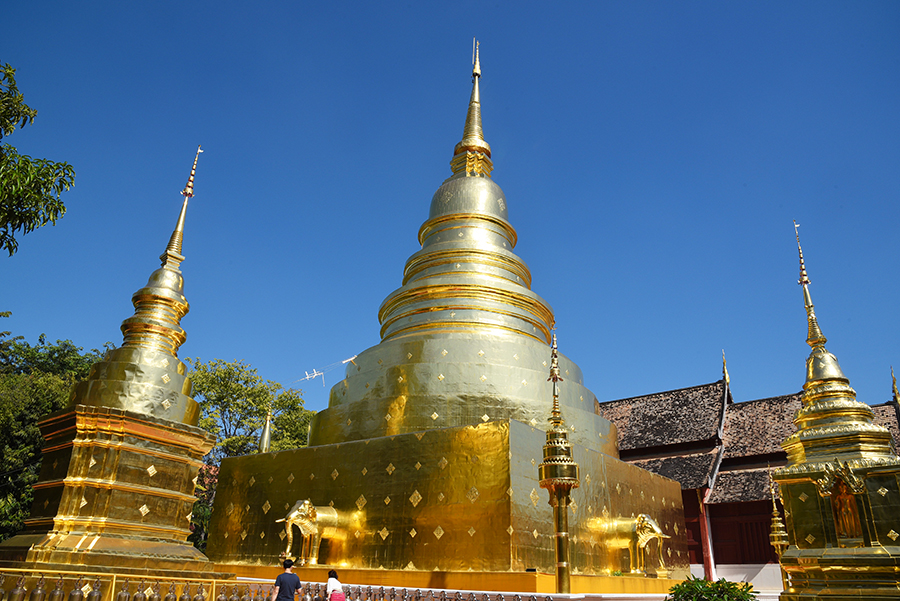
x,y
720,452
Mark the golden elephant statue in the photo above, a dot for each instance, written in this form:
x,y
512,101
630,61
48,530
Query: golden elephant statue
x,y
633,534
316,523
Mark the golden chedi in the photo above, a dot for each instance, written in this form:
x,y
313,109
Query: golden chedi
x,y
840,488
424,465
120,463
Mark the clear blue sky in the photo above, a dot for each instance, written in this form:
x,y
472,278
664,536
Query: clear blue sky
x,y
653,155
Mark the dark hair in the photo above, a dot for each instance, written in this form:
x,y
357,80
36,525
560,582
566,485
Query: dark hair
x,y
288,564
332,574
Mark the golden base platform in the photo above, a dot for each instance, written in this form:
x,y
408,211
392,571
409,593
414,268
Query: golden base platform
x,y
521,582
454,500
115,495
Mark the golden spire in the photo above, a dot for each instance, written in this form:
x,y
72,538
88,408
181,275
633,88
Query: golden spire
x,y
472,155
814,337
160,305
265,439
831,424
172,256
558,473
144,375
555,415
778,536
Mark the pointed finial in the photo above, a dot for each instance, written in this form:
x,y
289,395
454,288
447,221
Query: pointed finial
x,y
472,154
189,187
555,415
172,258
814,337
725,369
476,64
771,486
265,439
894,386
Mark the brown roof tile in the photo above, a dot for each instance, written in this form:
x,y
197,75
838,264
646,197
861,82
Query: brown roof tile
x,y
739,486
886,415
667,418
691,471
758,427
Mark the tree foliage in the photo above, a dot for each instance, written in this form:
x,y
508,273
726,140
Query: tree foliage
x,y
234,400
30,188
35,380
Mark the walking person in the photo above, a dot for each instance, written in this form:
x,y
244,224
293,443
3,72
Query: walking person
x,y
334,590
286,584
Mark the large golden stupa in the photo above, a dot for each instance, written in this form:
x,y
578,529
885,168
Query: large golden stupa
x,y
840,489
423,470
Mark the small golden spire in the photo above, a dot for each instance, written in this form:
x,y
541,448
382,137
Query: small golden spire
x,y
473,154
894,386
555,415
172,257
265,439
725,369
778,536
815,337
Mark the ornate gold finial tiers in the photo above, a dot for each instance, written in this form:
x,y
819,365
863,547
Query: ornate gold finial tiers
x,y
778,536
814,336
558,470
172,256
558,474
839,489
832,424
144,374
472,155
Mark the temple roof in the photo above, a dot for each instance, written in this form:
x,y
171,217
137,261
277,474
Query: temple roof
x,y
677,434
682,416
758,427
740,486
693,470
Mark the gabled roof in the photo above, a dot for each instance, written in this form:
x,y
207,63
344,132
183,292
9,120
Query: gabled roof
x,y
887,415
674,417
691,470
758,427
739,486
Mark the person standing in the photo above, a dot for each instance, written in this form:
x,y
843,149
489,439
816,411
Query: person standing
x,y
286,584
334,590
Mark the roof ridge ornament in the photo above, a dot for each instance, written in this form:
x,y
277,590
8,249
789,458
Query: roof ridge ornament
x,y
725,375
815,338
896,394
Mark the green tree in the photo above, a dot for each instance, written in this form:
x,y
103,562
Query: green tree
x,y
234,400
30,188
35,380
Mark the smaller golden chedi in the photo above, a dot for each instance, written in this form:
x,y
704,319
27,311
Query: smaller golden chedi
x,y
119,467
840,488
